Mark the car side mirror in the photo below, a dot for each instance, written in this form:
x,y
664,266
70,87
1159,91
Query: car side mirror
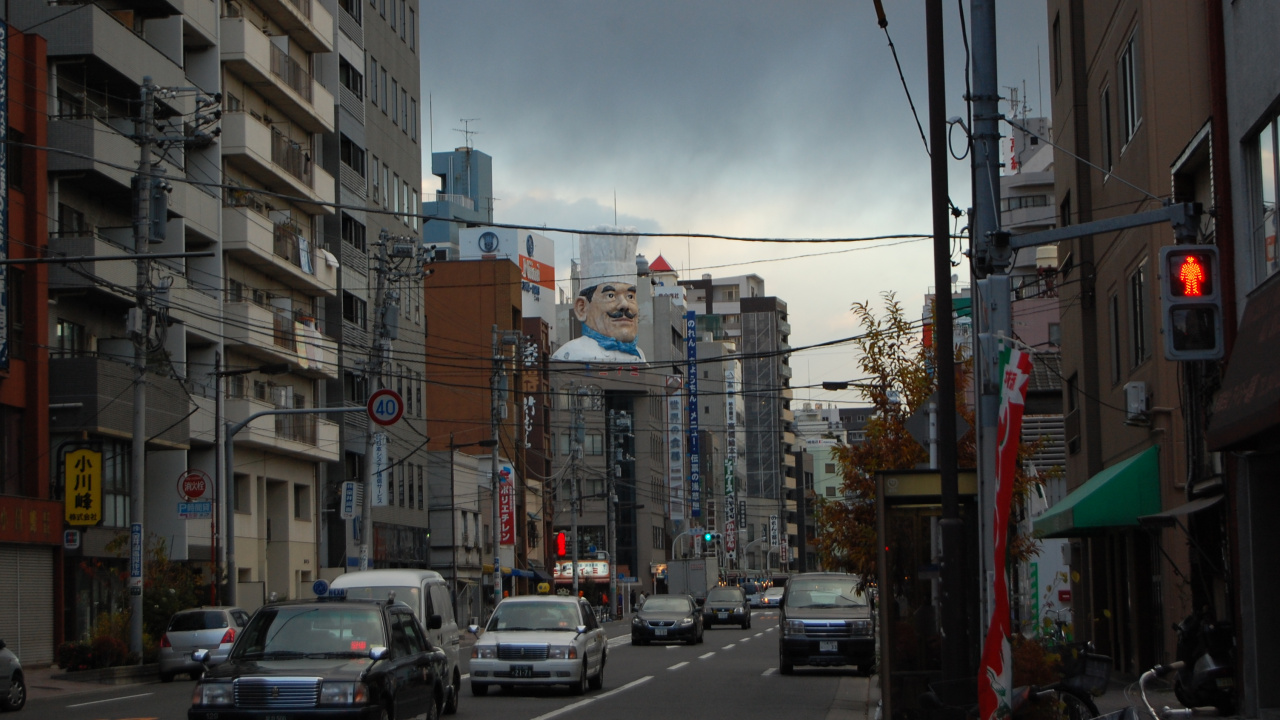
x,y
435,622
581,629
200,656
474,629
377,652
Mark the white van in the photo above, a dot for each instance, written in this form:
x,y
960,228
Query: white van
x,y
428,594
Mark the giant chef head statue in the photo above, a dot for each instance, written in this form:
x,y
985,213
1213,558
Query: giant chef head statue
x,y
607,305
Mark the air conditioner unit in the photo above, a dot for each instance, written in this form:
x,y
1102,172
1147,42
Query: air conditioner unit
x,y
1135,403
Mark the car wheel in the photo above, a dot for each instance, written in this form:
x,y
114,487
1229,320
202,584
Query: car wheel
x,y
433,708
580,687
479,689
452,694
785,667
597,682
635,640
17,695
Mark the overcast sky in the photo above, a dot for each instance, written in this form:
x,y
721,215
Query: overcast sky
x,y
754,118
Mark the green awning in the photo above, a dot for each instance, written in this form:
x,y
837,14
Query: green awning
x,y
1115,497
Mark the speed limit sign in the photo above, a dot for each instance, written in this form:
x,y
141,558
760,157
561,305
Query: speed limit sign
x,y
385,407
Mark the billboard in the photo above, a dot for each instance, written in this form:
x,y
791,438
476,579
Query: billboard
x,y
534,253
507,504
675,457
695,470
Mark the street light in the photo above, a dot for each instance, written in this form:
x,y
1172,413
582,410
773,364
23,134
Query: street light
x,y
453,509
220,473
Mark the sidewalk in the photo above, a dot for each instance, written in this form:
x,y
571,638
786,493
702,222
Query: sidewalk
x,y
52,681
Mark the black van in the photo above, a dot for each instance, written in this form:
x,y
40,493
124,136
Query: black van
x,y
826,621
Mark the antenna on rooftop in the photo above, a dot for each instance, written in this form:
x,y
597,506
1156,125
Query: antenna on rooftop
x,y
467,132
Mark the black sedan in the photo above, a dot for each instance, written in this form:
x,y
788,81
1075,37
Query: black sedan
x,y
726,606
667,618
327,658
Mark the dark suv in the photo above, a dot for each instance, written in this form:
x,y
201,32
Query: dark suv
x,y
826,621
330,658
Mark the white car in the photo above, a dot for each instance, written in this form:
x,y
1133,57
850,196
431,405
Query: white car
x,y
13,690
539,640
772,597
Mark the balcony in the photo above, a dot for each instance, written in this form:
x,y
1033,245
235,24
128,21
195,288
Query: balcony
x,y
248,235
113,279
249,53
306,437
200,18
280,164
95,140
195,305
92,32
308,23
274,335
97,387
198,208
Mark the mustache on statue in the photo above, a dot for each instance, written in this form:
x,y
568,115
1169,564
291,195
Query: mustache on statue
x,y
618,314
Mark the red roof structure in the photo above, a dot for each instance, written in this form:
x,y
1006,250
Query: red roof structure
x,y
660,265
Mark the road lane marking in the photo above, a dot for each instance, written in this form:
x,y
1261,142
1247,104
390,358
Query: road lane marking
x,y
726,647
96,702
669,647
704,657
770,671
745,640
678,665
757,634
588,701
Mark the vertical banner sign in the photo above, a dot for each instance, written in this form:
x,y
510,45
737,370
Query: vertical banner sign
x,y
773,531
675,456
381,478
695,472
507,504
4,196
82,487
995,679
730,466
135,559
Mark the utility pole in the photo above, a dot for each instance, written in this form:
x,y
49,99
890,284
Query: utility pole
x,y
393,250
579,434
495,410
139,324
619,430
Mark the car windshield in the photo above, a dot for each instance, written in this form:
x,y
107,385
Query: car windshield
x,y
198,620
774,592
659,603
547,616
750,588
825,593
725,595
296,631
407,595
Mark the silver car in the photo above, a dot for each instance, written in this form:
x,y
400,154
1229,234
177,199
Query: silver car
x,y
207,628
539,640
13,689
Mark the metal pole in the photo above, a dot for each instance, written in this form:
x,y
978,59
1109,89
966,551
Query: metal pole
x,y
953,635
140,330
615,469
219,479
494,411
453,521
576,500
374,373
228,480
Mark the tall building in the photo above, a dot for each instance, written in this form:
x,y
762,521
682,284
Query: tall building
x,y
465,198
375,154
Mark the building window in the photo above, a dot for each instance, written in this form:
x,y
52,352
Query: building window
x,y
594,444
373,80
353,232
404,110
17,311
1130,115
1104,106
384,91
375,184
302,502
351,7
831,491
15,167
1266,179
412,488
1138,317
354,310
351,78
421,489
355,388
1113,313
413,119
1056,39
351,154
69,339
415,209
403,6
400,481
413,30
830,468
1064,211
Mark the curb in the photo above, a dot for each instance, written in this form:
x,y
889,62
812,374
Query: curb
x,y
122,675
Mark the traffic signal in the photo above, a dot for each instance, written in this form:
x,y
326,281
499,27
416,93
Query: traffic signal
x,y
708,536
1191,298
561,544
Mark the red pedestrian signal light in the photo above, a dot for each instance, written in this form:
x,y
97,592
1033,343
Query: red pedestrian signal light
x,y
561,544
1191,303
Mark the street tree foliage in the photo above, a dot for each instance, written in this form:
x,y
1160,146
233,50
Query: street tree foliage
x,y
899,382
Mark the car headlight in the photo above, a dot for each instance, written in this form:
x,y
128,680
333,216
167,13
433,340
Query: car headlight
x,y
213,693
562,652
686,621
484,652
344,693
637,621
860,627
795,627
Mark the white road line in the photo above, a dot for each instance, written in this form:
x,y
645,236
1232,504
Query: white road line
x,y
669,647
726,647
628,686
96,702
770,671
464,677
757,634
678,665
588,701
745,640
704,657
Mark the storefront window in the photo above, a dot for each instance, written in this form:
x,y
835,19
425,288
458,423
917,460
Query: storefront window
x,y
1263,210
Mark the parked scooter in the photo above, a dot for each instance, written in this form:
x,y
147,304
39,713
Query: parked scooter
x,y
1207,675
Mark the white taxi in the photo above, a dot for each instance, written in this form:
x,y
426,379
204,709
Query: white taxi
x,y
539,640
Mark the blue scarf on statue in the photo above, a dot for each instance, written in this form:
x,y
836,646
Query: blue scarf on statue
x,y
609,343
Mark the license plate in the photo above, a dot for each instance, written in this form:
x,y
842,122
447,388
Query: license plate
x,y
828,646
723,615
521,671
659,631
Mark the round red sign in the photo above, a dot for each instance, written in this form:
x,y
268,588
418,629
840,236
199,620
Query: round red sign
x,y
193,484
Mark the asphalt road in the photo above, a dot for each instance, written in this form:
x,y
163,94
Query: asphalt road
x,y
733,674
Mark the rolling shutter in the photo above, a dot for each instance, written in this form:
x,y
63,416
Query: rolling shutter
x,y
27,624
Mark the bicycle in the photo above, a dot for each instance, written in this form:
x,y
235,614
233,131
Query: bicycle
x,y
958,700
1166,712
